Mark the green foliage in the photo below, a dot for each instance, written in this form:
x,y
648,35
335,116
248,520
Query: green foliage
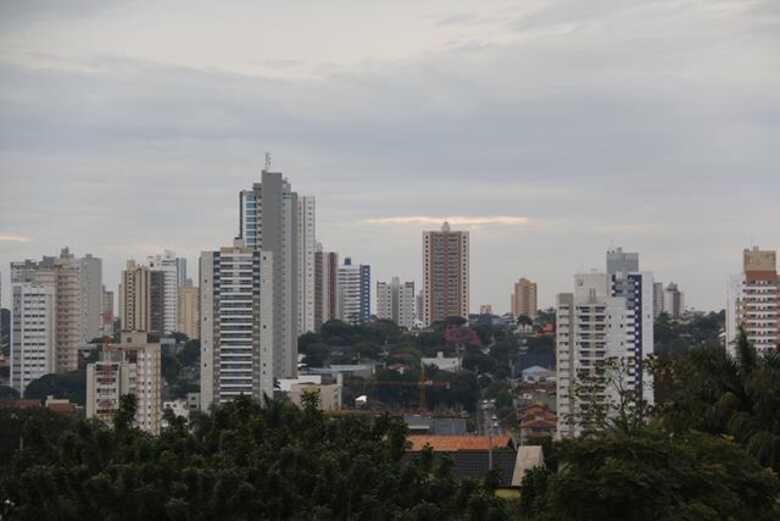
x,y
712,392
240,462
652,476
71,386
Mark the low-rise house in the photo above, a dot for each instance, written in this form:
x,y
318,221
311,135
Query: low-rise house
x,y
442,363
537,421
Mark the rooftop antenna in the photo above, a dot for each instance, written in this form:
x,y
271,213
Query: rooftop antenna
x,y
267,161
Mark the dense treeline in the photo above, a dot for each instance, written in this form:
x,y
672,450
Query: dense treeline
x,y
241,462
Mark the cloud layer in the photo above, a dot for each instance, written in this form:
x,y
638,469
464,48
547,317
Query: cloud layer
x,y
648,124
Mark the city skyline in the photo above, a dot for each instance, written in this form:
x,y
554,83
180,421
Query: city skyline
x,y
572,148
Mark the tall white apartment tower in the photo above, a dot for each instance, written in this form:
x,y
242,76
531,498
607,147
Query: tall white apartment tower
x,y
445,274
307,247
168,265
396,302
269,222
237,324
592,327
33,329
753,301
353,292
131,367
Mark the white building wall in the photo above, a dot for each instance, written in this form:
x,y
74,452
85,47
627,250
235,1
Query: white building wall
x,y
307,244
32,333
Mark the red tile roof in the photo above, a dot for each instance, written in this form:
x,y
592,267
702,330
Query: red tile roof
x,y
456,443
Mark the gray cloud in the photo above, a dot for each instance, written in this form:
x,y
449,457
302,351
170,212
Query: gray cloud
x,y
653,125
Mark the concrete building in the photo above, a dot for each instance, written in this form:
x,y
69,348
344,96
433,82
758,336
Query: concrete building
x,y
307,247
445,274
442,363
658,299
524,299
486,309
130,367
619,261
74,281
107,317
329,395
135,298
396,302
33,333
674,301
594,325
753,301
165,295
188,309
326,265
237,324
268,216
91,280
353,289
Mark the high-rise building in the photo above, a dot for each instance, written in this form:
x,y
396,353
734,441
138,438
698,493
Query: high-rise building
x,y
674,301
524,299
625,280
135,299
165,295
754,301
74,282
181,271
396,302
307,247
236,324
353,288
486,309
91,274
326,265
269,222
593,326
33,332
130,367
658,299
107,318
189,311
445,274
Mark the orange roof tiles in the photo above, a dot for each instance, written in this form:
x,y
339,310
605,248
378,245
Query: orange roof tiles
x,y
456,443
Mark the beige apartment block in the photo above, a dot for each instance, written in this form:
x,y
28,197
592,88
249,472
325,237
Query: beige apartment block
x,y
189,311
445,274
524,298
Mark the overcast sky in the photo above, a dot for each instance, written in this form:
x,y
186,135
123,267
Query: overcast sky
x,y
551,130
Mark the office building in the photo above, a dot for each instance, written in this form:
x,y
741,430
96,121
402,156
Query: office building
x,y
524,299
268,217
353,289
189,311
33,332
165,282
135,299
753,301
445,274
130,367
307,247
674,301
237,321
396,302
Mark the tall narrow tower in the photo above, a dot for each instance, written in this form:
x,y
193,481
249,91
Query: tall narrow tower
x,y
269,222
445,274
